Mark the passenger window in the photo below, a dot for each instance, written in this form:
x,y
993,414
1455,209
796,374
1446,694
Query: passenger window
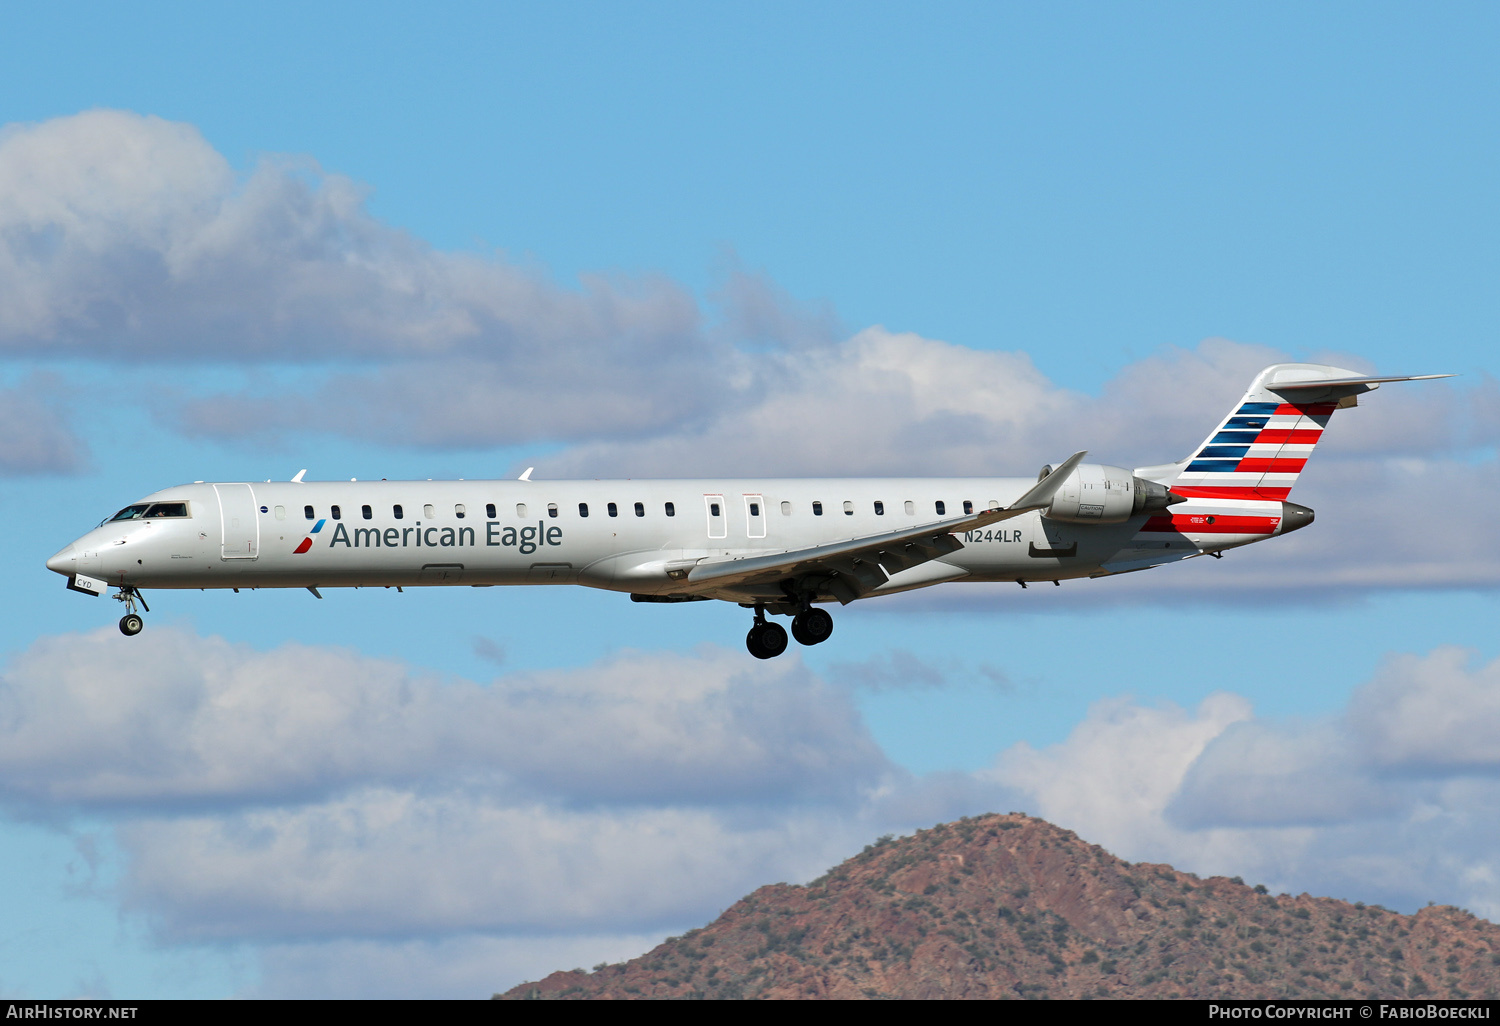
x,y
489,510
552,509
713,509
428,511
848,508
755,509
968,508
817,509
583,509
786,508
614,510
335,512
459,510
879,508
640,509
396,511
307,513
280,512
942,508
366,513
520,509
911,508
671,510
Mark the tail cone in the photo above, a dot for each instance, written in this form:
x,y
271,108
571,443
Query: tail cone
x,y
1294,517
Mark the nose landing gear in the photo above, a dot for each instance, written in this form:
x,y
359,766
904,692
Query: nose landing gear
x,y
131,624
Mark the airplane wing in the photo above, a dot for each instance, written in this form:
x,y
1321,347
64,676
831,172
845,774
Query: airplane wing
x,y
855,567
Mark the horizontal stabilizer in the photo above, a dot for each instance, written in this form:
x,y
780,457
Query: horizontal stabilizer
x,y
1345,386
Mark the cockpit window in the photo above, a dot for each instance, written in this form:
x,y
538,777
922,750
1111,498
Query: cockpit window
x,y
167,509
149,511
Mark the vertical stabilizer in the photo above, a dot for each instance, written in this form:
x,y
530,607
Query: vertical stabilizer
x,y
1261,446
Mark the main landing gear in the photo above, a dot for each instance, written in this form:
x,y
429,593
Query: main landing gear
x,y
812,626
767,640
131,623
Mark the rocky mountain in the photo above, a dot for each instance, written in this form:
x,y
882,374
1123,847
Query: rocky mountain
x,y
1014,907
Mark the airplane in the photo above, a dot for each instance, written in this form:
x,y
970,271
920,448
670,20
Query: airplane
x,y
780,547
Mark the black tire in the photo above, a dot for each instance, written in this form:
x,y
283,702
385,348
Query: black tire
x,y
130,625
766,640
812,626
752,643
772,639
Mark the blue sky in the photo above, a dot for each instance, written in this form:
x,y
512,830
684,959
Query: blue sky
x,y
664,238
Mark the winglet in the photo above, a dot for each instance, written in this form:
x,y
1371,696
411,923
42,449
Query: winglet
x,y
298,478
1041,493
526,476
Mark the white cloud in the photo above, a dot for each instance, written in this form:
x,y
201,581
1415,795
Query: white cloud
x,y
339,812
879,403
1257,773
1215,790
1119,768
1393,801
130,238
182,719
1430,714
380,863
311,792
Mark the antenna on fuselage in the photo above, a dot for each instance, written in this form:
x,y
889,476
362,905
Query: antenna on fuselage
x,y
298,478
526,476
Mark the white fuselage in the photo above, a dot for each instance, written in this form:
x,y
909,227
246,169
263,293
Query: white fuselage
x,y
481,533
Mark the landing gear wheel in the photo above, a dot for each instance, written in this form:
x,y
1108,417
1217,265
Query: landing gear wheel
x,y
130,625
812,626
766,640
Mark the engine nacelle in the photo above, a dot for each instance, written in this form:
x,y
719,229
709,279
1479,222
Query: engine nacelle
x,y
1098,494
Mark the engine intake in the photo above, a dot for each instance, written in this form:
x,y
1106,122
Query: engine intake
x,y
1098,494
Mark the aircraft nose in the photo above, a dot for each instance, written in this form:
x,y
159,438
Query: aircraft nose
x,y
65,562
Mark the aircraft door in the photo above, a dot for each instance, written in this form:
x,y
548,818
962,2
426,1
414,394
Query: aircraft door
x,y
718,520
755,516
239,525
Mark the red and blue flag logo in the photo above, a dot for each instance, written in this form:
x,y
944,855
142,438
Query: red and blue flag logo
x,y
307,542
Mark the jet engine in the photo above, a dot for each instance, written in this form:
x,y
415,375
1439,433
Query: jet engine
x,y
1099,494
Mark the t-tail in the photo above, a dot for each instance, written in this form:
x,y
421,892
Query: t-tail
x,y
1253,458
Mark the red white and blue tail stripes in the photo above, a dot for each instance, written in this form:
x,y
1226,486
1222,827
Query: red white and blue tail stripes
x,y
1238,479
1257,452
